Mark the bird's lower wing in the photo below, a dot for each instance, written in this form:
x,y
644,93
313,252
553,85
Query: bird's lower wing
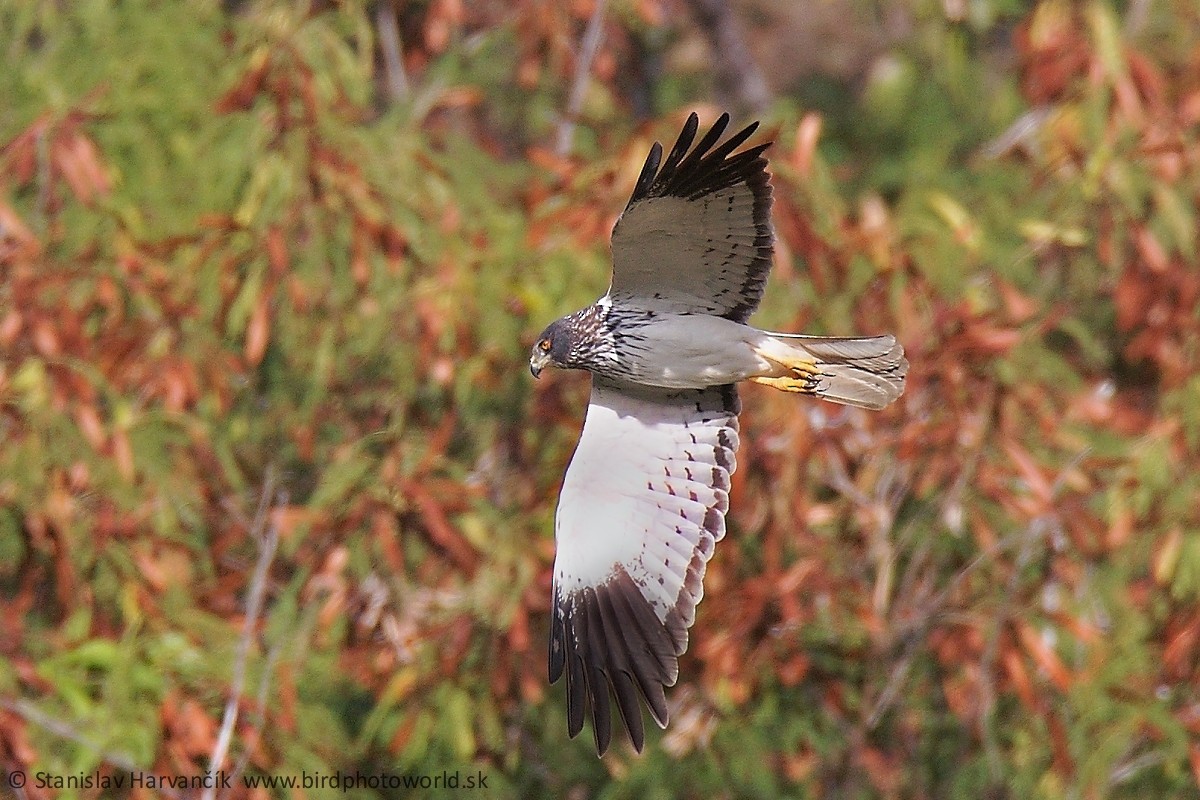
x,y
642,505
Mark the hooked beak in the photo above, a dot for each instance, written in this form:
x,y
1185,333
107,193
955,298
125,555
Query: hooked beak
x,y
537,363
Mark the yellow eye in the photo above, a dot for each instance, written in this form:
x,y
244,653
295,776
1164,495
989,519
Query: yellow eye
x,y
544,345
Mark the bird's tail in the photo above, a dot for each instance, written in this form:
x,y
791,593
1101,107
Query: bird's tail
x,y
862,371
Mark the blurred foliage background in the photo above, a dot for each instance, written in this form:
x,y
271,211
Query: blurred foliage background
x,y
269,273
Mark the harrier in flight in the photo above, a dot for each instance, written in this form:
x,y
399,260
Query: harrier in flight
x,y
643,502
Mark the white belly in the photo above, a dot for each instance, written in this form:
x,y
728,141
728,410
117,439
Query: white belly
x,y
690,351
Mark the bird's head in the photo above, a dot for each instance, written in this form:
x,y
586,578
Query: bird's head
x,y
553,348
577,341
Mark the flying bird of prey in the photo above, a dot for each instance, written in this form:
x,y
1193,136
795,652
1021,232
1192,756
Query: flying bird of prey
x,y
644,499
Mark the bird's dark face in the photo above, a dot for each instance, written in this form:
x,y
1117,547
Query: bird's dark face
x,y
553,347
577,341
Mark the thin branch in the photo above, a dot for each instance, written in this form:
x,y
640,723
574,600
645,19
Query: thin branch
x,y
1037,530
890,489
1137,17
260,714
896,680
740,82
43,179
267,535
1039,527
1127,769
395,76
583,71
839,478
930,611
1021,134
65,730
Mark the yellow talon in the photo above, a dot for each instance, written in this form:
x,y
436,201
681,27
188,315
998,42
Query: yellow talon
x,y
791,374
866,371
804,383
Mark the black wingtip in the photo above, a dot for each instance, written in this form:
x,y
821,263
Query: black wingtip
x,y
697,169
649,170
680,148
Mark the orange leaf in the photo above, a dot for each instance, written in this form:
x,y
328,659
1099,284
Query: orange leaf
x,y
287,519
242,94
533,686
1030,471
1084,631
79,163
960,696
258,330
404,732
1150,249
277,255
360,266
1166,559
793,671
1133,295
16,240
45,338
1019,307
992,340
1044,656
386,534
164,567
808,133
1121,529
518,632
1062,748
439,528
1179,656
10,326
189,727
123,454
1020,678
883,771
89,423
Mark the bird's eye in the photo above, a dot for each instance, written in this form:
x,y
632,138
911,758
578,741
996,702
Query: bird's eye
x,y
544,345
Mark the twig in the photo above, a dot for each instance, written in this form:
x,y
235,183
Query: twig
x,y
891,690
1137,17
1022,133
952,506
933,609
65,730
393,54
267,535
260,713
839,478
583,71
1038,529
1127,769
739,80
42,144
889,492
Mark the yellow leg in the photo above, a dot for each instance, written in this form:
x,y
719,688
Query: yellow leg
x,y
805,386
805,378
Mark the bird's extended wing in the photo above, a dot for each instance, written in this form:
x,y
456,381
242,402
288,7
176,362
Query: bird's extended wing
x,y
696,236
642,505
